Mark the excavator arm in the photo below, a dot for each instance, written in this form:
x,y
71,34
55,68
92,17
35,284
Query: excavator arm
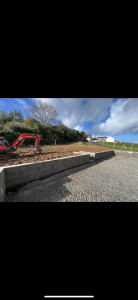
x,y
22,138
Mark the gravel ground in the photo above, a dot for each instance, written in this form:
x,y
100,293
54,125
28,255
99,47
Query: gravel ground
x,y
112,180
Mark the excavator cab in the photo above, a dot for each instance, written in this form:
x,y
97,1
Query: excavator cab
x,y
2,141
4,145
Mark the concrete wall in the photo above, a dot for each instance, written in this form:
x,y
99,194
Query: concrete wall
x,y
20,174
126,153
99,155
103,154
2,185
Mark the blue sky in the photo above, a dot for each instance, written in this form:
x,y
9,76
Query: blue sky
x,y
116,117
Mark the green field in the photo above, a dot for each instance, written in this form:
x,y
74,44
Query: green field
x,y
86,144
122,146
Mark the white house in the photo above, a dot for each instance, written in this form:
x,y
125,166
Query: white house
x,y
109,139
89,137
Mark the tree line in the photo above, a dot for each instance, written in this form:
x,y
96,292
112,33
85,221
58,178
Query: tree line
x,y
41,118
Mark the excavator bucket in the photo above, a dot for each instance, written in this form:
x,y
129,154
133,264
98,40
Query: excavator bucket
x,y
39,149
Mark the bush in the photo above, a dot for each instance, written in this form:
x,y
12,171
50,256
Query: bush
x,y
17,127
12,130
31,123
61,133
10,136
83,136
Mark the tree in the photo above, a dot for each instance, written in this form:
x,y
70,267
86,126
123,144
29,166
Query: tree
x,y
83,136
14,126
3,117
11,116
17,116
43,112
30,122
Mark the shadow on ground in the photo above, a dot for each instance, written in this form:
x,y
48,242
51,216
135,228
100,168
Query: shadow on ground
x,y
51,189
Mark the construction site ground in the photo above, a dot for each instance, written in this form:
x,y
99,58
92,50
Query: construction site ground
x,y
111,180
31,155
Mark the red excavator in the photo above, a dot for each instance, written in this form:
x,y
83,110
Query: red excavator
x,y
4,145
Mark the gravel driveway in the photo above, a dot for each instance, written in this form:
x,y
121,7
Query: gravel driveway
x,y
112,180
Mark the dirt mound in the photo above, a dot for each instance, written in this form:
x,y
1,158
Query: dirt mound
x,y
29,155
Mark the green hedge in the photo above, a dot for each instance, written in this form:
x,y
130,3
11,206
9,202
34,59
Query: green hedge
x,y
49,133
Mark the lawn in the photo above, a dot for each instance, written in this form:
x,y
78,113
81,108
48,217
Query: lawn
x,y
122,146
86,144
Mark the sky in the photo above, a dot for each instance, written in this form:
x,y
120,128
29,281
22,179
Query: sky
x,y
116,117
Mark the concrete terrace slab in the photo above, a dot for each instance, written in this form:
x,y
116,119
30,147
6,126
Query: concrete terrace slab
x,y
99,155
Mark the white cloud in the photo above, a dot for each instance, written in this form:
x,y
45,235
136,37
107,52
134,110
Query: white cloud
x,y
22,102
75,112
79,128
123,118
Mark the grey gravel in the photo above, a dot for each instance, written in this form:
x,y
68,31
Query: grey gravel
x,y
112,180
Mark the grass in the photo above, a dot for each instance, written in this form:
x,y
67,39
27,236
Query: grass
x,y
122,146
86,144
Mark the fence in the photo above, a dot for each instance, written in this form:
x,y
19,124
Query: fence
x,y
115,146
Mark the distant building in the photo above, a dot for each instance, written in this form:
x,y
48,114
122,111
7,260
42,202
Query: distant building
x,y
101,138
89,137
107,139
110,140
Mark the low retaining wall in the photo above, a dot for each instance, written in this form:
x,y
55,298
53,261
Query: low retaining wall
x,y
99,155
13,176
2,185
25,173
126,153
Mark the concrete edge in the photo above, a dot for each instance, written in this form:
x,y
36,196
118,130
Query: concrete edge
x,y
2,184
99,155
126,153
